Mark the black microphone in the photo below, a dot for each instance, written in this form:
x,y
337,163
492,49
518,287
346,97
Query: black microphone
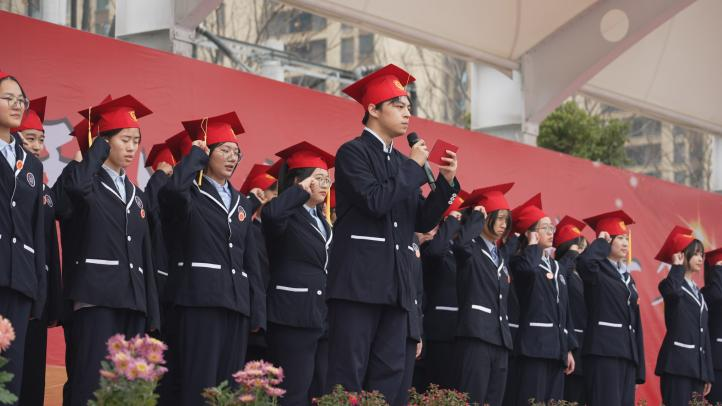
x,y
413,138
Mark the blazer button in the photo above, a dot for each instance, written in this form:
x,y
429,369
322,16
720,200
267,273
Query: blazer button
x,y
13,203
131,265
129,238
499,318
701,330
230,245
16,240
397,247
630,327
416,302
318,292
233,271
396,224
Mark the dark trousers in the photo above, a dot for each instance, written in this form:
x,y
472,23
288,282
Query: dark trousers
x,y
540,379
574,389
481,370
677,390
169,386
15,307
367,347
67,336
296,350
609,381
92,327
402,397
440,364
36,343
211,348
715,395
512,382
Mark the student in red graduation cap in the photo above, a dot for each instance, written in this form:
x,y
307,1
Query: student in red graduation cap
x,y
440,307
33,136
684,363
613,347
161,161
483,338
218,296
71,245
568,243
712,292
379,207
260,186
113,284
298,237
543,344
23,279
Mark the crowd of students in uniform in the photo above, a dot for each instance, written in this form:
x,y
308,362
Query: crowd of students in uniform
x,y
374,286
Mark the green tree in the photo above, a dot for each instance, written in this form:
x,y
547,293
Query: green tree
x,y
572,130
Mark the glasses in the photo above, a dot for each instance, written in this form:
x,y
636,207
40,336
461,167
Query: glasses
x,y
547,229
230,152
323,181
20,101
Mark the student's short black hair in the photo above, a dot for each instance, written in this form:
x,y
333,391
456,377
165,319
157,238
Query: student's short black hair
x,y
380,106
287,177
523,241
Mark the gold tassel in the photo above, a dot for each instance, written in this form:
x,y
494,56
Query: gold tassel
x,y
205,139
90,132
327,207
629,251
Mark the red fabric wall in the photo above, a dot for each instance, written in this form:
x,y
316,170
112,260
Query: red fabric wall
x,y
76,70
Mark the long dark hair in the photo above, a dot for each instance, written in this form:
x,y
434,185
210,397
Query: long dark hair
x,y
287,177
564,247
523,241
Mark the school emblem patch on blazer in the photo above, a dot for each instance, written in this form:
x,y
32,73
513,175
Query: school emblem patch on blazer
x,y
241,213
31,179
47,200
139,202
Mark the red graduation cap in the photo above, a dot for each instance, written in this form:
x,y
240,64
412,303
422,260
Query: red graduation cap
x,y
3,75
215,130
180,145
677,240
527,214
80,131
384,84
459,200
116,114
258,177
568,229
159,153
615,222
34,116
275,169
491,197
306,155
714,256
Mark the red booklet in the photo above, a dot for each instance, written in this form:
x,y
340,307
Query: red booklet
x,y
439,151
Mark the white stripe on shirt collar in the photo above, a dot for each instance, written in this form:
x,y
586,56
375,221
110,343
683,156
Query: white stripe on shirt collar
x,y
387,148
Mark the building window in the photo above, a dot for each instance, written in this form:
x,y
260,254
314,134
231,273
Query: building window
x,y
366,49
304,22
348,50
313,51
309,82
680,177
680,153
643,155
645,126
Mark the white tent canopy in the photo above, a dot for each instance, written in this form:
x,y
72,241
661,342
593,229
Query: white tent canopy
x,y
660,57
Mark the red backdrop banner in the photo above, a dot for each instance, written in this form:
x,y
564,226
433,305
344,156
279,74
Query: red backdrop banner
x,y
76,70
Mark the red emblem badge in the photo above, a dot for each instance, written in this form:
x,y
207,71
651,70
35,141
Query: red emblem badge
x,y
142,213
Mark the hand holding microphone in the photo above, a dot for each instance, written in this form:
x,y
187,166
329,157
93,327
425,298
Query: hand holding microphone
x,y
420,154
